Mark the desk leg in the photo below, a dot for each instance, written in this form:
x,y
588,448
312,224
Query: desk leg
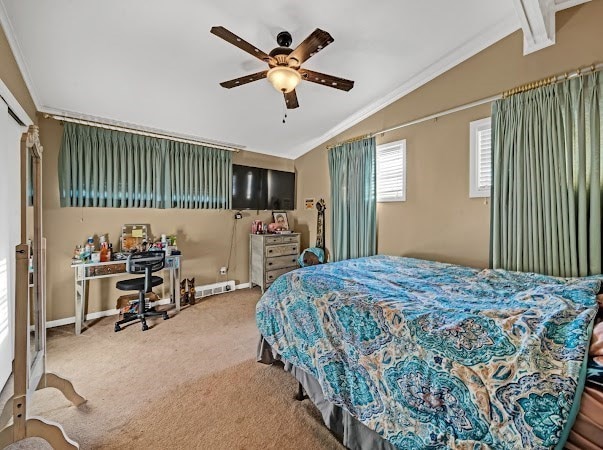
x,y
175,285
80,298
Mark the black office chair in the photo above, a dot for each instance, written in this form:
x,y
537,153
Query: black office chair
x,y
139,263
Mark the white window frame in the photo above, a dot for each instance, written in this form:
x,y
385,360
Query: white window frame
x,y
474,128
401,143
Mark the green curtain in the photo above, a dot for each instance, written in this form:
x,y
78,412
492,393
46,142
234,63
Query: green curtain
x,y
546,193
353,196
115,169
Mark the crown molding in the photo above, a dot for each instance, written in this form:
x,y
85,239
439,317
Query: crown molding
x,y
163,134
481,41
537,18
18,54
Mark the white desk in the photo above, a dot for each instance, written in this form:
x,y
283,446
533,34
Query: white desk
x,y
86,272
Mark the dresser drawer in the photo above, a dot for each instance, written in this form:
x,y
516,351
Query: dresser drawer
x,y
279,262
282,250
273,240
290,239
274,274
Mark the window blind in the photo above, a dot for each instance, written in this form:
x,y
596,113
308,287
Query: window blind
x,y
481,158
391,172
484,157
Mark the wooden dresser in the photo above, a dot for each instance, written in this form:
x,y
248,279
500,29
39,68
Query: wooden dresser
x,y
271,255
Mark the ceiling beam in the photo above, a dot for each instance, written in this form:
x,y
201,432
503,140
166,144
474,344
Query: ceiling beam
x,y
537,18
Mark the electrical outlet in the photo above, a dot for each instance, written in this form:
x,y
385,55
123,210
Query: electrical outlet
x,y
223,270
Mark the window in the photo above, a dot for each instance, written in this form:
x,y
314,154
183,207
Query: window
x,y
480,165
391,172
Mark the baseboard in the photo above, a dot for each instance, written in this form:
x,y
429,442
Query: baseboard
x,y
96,315
113,312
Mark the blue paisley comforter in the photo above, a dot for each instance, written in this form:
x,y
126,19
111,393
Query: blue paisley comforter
x,y
436,356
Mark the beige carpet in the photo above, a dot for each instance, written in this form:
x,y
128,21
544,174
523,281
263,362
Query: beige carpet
x,y
188,383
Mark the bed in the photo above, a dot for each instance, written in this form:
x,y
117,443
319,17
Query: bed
x,y
412,354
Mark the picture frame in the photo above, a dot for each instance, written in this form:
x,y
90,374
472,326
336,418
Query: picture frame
x,y
280,218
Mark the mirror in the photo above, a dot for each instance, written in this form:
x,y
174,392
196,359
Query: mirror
x,y
29,371
31,160
133,237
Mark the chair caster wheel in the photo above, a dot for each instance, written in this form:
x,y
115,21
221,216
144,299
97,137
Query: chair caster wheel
x,y
117,328
165,316
145,327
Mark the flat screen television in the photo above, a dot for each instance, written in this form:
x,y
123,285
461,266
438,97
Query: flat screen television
x,y
255,188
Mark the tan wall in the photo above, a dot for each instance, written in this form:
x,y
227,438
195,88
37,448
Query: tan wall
x,y
11,76
204,236
439,220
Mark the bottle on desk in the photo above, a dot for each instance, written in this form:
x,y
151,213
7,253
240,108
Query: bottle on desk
x,y
104,250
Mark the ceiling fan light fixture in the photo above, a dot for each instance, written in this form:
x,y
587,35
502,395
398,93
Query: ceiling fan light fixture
x,y
283,78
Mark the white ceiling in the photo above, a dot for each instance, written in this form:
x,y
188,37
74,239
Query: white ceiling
x,y
154,64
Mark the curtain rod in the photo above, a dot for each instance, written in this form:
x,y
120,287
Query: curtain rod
x,y
552,80
348,141
440,114
141,132
525,87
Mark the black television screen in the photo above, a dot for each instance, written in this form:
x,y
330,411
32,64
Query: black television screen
x,y
280,190
247,187
255,188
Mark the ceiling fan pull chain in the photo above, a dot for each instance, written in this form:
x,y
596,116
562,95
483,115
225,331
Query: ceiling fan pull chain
x,y
284,114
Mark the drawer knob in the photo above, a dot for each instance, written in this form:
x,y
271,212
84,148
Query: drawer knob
x,y
269,264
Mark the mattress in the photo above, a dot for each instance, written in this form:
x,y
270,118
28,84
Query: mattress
x,y
587,431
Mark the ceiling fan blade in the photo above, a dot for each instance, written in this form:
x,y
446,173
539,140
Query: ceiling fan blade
x,y
314,43
291,100
326,80
244,80
235,40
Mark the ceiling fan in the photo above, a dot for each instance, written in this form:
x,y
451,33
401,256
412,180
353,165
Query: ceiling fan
x,y
285,71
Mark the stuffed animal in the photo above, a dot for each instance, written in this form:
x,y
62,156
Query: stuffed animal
x,y
274,227
311,257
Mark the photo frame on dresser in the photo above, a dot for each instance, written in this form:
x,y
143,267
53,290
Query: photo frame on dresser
x,y
280,218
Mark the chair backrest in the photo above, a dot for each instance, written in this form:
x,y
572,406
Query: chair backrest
x,y
139,262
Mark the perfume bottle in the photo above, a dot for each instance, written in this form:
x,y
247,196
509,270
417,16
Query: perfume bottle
x,y
104,250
